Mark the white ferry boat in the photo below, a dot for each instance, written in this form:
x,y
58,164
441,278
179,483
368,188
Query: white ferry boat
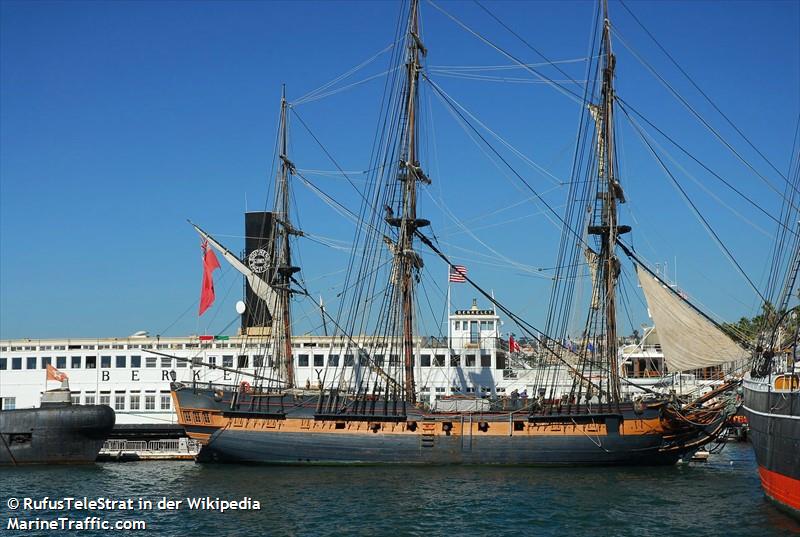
x,y
642,363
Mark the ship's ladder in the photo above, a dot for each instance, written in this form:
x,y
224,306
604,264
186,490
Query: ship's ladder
x,y
466,439
428,437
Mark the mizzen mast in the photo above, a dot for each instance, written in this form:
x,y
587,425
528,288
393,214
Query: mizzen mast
x,y
283,269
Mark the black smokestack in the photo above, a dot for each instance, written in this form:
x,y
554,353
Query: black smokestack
x,y
258,228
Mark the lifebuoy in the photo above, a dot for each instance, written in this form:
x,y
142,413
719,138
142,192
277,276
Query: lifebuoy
x,y
244,387
218,395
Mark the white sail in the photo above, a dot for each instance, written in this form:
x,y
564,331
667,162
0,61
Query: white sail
x,y
688,340
260,287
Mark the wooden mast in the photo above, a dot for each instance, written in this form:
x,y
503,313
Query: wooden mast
x,y
409,174
613,192
283,268
609,192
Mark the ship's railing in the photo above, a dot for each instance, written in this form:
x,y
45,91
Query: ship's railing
x,y
175,445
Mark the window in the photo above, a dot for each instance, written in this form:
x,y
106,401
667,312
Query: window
x,y
30,362
440,389
333,360
61,362
105,399
149,402
319,360
438,360
166,361
46,360
16,363
150,361
469,360
75,397
349,360
179,362
91,362
119,401
258,361
394,359
490,325
8,403
242,361
486,360
134,401
457,325
165,401
121,361
473,332
3,364
302,360
136,361
455,360
501,361
75,362
227,361
378,360
105,362
212,360
425,360
88,399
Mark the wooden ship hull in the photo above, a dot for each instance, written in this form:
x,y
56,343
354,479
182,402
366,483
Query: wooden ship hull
x,y
772,407
285,433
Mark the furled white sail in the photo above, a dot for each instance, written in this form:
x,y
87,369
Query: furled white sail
x,y
688,340
260,287
594,263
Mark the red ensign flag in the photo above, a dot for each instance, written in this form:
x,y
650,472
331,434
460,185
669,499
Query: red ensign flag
x,y
210,264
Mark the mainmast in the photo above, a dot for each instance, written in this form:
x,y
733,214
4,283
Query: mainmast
x,y
410,172
282,275
609,192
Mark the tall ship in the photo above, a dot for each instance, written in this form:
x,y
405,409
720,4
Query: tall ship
x,y
772,386
57,432
369,409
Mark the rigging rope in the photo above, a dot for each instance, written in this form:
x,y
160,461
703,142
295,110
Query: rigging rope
x,y
691,204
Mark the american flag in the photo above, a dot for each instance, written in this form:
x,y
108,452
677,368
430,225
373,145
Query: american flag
x,y
458,273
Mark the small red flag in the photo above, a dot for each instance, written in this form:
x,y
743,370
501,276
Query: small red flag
x,y
513,346
210,264
55,374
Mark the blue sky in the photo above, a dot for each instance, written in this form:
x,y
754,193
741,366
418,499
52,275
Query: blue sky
x,y
120,120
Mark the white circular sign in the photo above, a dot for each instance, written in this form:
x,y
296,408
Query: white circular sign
x,y
258,261
240,307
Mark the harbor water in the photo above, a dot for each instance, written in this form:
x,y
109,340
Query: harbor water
x,y
719,497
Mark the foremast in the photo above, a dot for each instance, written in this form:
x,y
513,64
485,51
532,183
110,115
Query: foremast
x,y
605,221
